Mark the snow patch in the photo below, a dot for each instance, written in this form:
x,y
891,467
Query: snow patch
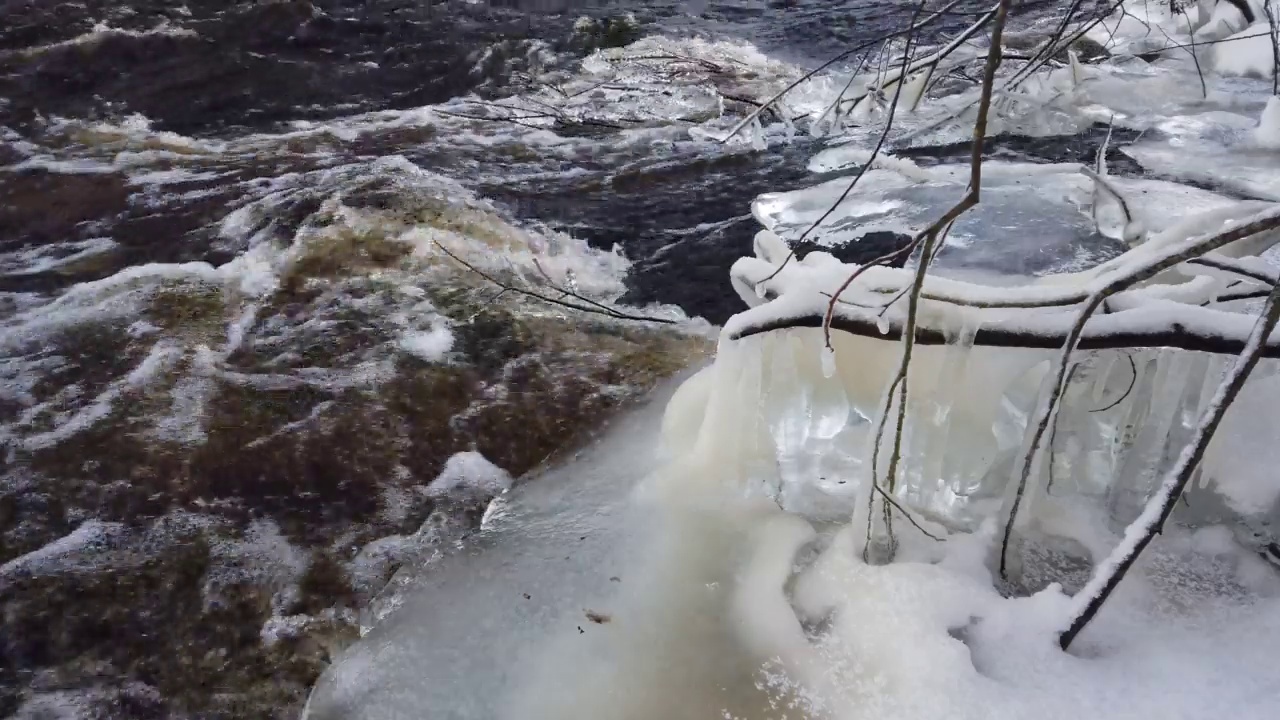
x,y
473,473
429,346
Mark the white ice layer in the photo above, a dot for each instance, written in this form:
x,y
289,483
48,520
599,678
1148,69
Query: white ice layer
x,y
1034,219
699,598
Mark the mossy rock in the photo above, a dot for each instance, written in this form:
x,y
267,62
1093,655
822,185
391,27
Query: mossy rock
x,y
188,307
615,31
339,252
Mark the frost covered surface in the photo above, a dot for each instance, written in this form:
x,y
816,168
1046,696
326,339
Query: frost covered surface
x,y
471,472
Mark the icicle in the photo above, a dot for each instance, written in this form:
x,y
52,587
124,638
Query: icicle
x,y
862,111
828,362
789,127
1267,134
830,410
1167,424
913,91
825,123
787,404
757,135
946,470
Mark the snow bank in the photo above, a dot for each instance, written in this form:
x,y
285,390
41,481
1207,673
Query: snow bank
x,y
1247,53
742,609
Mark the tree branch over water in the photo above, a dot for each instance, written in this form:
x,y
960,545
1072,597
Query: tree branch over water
x,y
579,302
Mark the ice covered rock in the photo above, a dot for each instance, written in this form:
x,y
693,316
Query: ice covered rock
x,y
1033,219
1247,53
1267,134
470,473
430,345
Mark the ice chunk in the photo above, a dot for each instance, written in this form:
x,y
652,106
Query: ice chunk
x,y
1247,53
1029,221
1267,134
471,472
1221,149
431,346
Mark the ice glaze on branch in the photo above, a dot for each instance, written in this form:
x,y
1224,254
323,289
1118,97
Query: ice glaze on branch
x,y
1107,332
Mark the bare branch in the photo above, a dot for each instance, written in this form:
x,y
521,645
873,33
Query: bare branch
x,y
589,306
1177,253
1275,46
1231,265
1143,530
1118,335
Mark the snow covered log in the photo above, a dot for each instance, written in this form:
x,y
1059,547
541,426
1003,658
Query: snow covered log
x,y
1179,289
1108,332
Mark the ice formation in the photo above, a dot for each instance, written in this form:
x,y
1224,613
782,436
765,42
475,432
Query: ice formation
x,y
471,472
432,345
749,586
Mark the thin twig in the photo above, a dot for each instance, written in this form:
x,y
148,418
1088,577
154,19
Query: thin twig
x,y
1133,380
835,297
1204,89
591,306
1053,433
841,56
930,237
1230,265
1275,46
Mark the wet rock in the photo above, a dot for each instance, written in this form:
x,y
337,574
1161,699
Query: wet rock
x,y
591,34
1089,50
38,207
